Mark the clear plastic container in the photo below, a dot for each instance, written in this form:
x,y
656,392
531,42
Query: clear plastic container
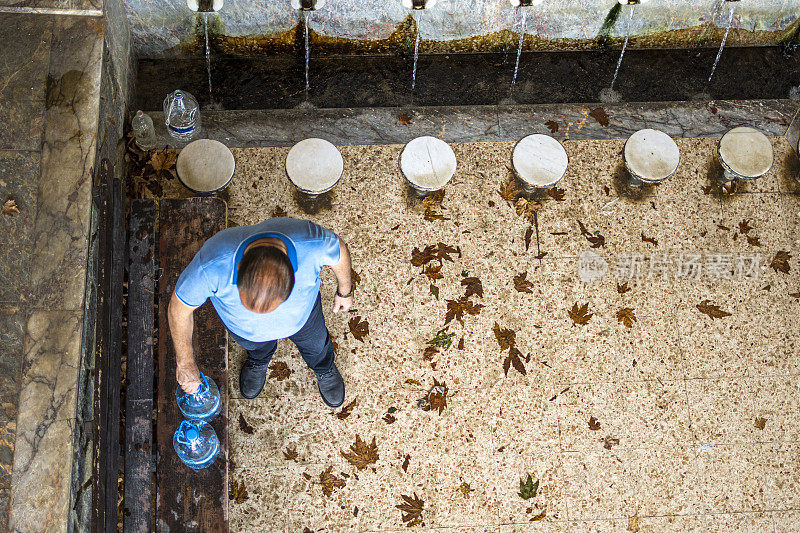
x,y
182,115
144,131
196,443
204,404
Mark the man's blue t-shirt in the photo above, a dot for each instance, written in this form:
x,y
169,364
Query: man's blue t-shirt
x,y
212,274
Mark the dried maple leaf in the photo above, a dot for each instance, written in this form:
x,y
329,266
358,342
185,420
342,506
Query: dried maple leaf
x,y
528,235
552,125
433,199
594,424
626,316
347,410
278,212
527,209
506,338
595,239
237,491
528,488
411,510
608,442
752,240
424,256
760,423
465,489
435,399
433,272
444,251
623,288
430,215
473,286
406,461
413,382
600,115
329,482
580,314
457,308
290,453
744,226
355,279
359,328
244,426
514,358
362,454
780,263
714,311
404,119
521,283
556,194
280,371
429,352
389,418
9,208
539,516
509,192
649,240
460,344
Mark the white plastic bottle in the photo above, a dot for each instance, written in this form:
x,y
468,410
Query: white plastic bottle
x,y
182,115
144,131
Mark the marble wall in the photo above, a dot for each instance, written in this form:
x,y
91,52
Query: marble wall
x,y
167,27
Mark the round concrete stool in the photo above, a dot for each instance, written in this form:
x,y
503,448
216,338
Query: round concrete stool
x,y
651,156
745,154
314,166
539,161
205,166
427,163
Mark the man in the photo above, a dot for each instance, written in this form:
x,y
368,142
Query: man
x,y
263,281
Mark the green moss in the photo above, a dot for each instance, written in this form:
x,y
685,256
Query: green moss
x,y
610,22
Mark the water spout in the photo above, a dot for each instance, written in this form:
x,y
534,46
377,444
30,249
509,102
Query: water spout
x,y
306,16
208,57
724,38
416,55
624,45
519,47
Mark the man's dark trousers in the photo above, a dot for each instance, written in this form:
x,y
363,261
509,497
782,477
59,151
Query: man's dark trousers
x,y
313,342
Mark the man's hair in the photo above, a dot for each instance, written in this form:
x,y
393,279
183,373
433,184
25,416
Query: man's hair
x,y
265,277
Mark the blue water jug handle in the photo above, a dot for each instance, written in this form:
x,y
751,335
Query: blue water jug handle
x,y
203,389
181,436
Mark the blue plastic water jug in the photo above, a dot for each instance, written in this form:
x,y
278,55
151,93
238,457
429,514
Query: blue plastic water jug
x,y
204,404
196,443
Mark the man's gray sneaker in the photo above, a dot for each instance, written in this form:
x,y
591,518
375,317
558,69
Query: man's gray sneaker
x,y
331,387
252,378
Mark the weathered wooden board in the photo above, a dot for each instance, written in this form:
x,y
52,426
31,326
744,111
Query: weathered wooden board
x,y
189,500
138,495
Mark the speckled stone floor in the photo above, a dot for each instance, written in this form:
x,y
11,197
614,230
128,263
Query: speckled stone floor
x,y
681,422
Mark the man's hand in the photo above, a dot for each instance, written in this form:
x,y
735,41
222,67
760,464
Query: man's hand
x,y
342,304
189,378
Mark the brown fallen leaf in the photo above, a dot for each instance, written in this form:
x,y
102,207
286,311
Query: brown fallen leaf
x,y
608,442
556,194
347,410
712,310
237,491
514,359
355,279
280,371
580,314
413,382
649,240
404,119
780,263
457,308
244,426
278,212
465,489
521,283
595,239
528,235
594,424
528,209
626,316
330,482
552,125
362,454
411,510
429,352
434,199
433,272
752,240
506,337
461,343
760,423
430,215
509,192
444,251
744,226
424,256
623,287
359,328
389,418
539,516
633,524
473,286
436,398
405,463
600,115
290,453
9,208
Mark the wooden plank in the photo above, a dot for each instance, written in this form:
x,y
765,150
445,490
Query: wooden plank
x,y
189,500
138,495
